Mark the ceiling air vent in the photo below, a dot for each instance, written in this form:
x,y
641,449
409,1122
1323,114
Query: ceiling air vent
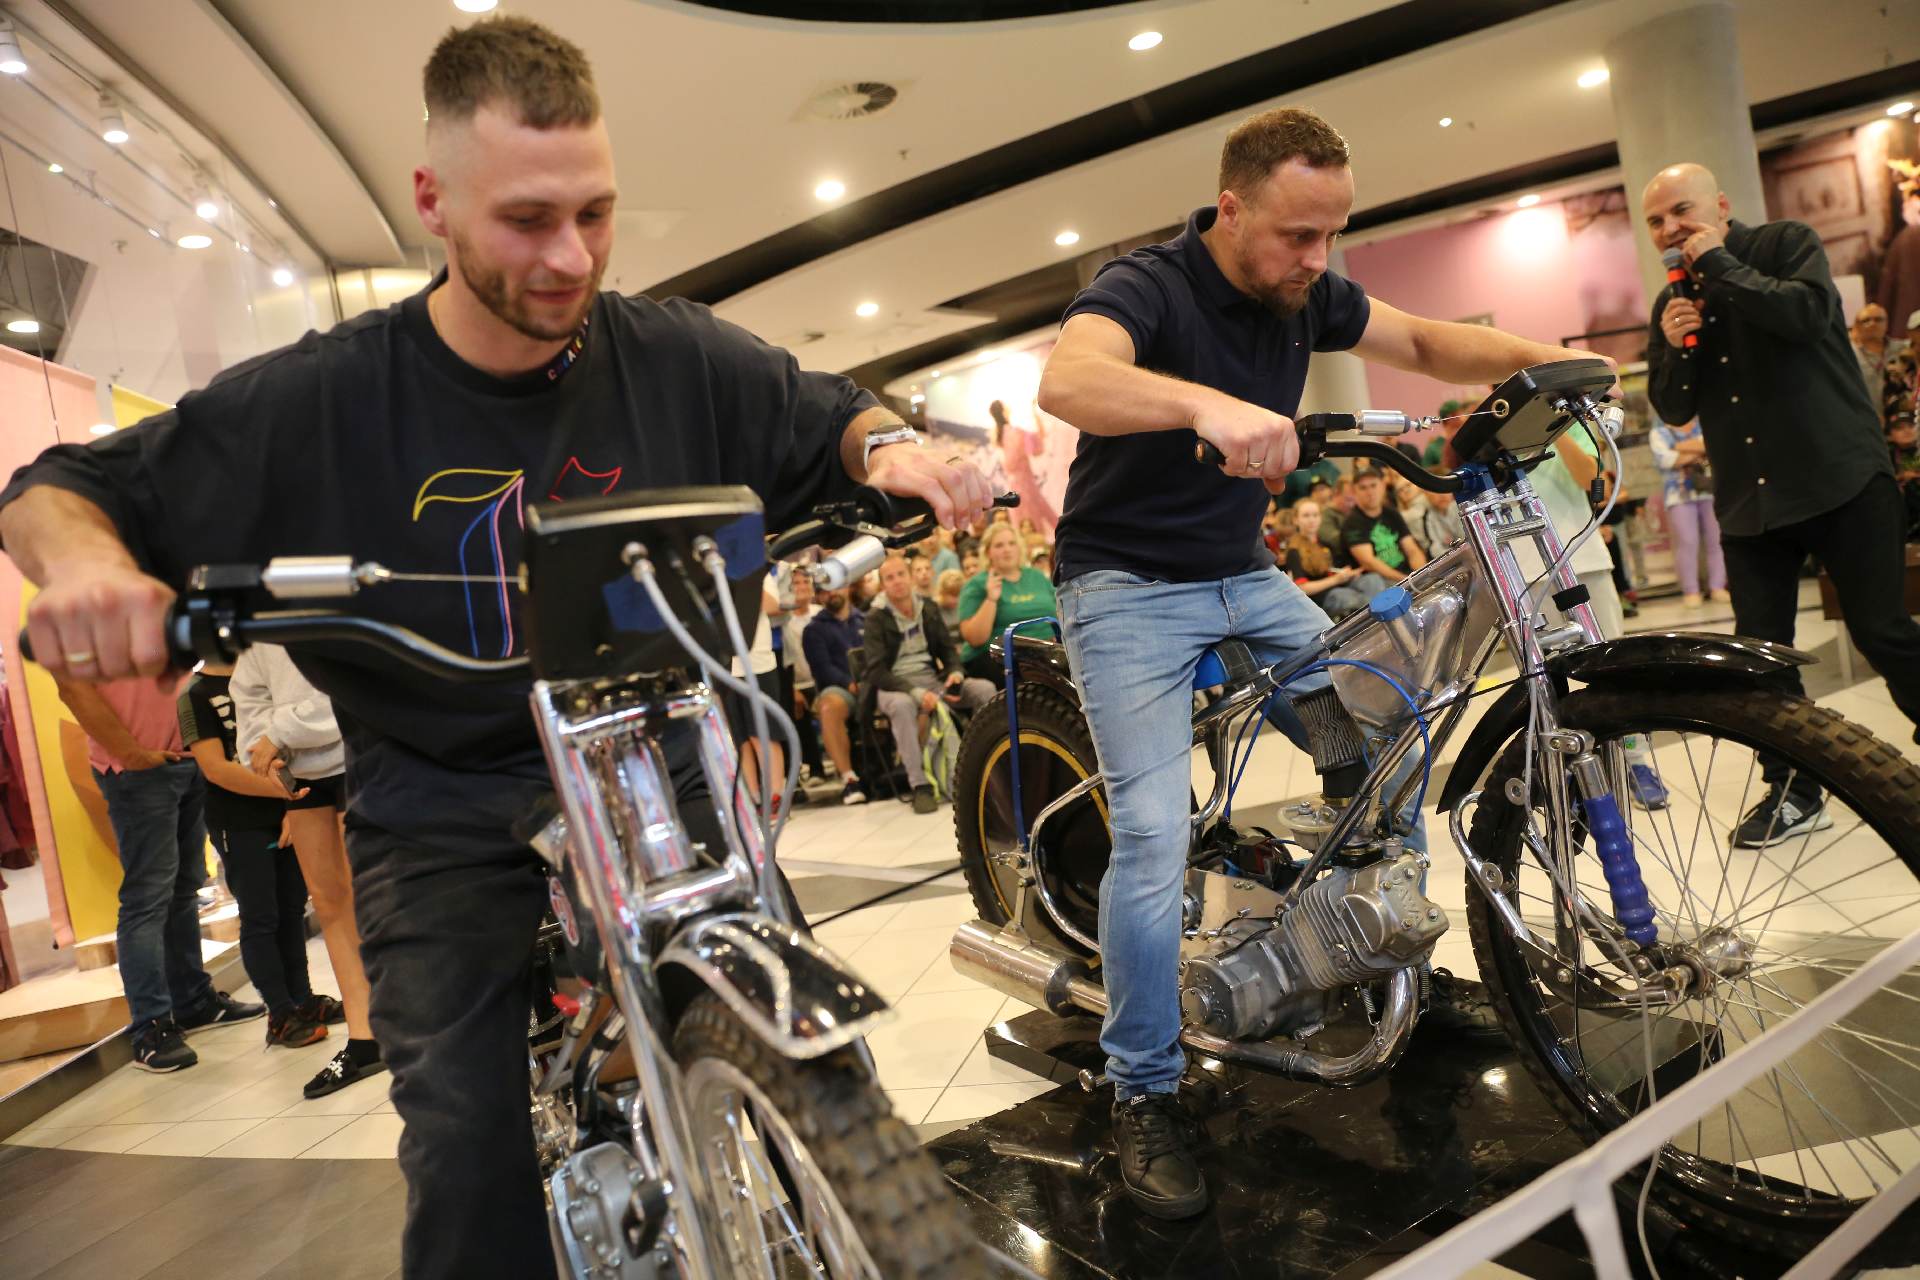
x,y
851,101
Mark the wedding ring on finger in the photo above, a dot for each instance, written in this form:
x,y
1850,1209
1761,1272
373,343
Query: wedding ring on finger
x,y
83,658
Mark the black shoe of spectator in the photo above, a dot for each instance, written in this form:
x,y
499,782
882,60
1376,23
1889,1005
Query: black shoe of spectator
x,y
324,1010
853,792
344,1070
291,1031
923,799
221,1011
161,1048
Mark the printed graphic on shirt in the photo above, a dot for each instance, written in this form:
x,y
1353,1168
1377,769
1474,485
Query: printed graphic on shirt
x,y
490,542
1387,546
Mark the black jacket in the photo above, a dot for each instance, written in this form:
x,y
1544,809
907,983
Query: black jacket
x,y
1788,424
883,645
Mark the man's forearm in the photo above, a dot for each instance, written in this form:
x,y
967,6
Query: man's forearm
x,y
853,441
97,718
1475,353
1105,396
46,526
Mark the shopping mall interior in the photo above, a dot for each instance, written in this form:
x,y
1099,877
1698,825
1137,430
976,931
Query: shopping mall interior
x,y
1604,826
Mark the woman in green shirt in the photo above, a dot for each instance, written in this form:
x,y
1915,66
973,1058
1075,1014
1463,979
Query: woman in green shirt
x,y
1005,592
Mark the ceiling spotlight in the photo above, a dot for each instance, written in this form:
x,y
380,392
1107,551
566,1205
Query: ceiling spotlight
x,y
245,248
205,207
103,428
1593,79
113,126
1897,109
866,309
936,373
55,167
195,241
475,6
272,203
25,324
154,233
1528,201
830,190
989,356
1144,41
12,61
282,277
1446,122
1066,238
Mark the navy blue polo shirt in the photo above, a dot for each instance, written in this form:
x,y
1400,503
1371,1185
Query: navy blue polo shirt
x,y
1141,503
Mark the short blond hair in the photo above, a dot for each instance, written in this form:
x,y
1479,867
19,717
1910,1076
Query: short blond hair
x,y
998,531
540,78
951,580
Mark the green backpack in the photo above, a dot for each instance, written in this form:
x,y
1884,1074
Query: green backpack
x,y
940,752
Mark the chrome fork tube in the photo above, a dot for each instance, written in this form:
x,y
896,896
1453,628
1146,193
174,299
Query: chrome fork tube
x,y
614,896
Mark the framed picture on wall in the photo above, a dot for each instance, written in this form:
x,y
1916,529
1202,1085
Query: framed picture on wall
x,y
1820,191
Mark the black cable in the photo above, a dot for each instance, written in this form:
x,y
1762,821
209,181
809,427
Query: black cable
x,y
891,893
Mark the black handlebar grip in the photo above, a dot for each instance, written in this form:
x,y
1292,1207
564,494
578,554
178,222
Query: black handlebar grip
x,y
1204,452
26,646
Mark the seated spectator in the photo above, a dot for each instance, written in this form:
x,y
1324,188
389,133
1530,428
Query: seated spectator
x,y
796,675
970,562
945,558
1375,536
1687,484
947,592
1452,415
1333,518
1875,351
826,645
923,575
1438,526
1309,562
1042,563
1901,443
913,664
1008,592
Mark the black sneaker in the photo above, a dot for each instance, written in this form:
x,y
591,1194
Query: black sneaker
x,y
924,800
223,1010
1458,1007
324,1010
291,1031
1151,1137
852,792
340,1073
1780,817
161,1048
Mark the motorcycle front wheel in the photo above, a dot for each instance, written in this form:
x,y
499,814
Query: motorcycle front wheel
x,y
1765,919
809,1170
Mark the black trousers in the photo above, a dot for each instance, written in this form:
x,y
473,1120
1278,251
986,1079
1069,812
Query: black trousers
x,y
1859,543
266,882
447,932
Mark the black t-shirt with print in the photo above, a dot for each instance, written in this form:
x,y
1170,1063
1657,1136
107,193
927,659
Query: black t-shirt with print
x,y
375,440
1383,532
206,711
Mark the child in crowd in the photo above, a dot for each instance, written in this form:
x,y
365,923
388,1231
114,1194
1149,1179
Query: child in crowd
x,y
1904,447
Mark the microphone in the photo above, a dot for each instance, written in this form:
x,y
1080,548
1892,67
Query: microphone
x,y
1682,286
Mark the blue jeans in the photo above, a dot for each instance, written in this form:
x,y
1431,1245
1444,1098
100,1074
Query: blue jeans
x,y
1134,644
159,825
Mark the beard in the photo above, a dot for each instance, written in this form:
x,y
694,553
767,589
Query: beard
x,y
1277,297
509,305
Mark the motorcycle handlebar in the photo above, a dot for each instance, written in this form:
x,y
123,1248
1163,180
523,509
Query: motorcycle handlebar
x,y
1313,430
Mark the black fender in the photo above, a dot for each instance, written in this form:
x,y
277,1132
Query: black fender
x,y
1040,661
1654,662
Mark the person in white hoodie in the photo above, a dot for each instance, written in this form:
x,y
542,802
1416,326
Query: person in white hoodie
x,y
287,726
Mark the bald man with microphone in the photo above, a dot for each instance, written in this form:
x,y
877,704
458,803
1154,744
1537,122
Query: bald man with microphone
x,y
1751,340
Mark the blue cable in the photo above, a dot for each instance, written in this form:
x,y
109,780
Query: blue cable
x,y
1426,744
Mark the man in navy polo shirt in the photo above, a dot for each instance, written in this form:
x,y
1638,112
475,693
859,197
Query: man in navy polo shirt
x,y
1160,557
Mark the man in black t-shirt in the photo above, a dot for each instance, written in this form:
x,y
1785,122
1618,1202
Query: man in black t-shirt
x,y
1160,557
417,435
1376,535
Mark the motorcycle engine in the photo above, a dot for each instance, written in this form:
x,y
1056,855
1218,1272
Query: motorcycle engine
x,y
1262,977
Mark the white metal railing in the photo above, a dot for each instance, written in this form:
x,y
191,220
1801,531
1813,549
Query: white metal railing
x,y
1584,1184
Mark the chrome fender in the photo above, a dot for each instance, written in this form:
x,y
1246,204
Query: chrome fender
x,y
791,991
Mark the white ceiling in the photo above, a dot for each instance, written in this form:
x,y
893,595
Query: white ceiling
x,y
321,101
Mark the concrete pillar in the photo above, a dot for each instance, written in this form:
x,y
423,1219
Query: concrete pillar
x,y
1679,94
1336,380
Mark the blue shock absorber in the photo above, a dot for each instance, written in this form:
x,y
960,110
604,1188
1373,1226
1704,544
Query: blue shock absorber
x,y
1614,844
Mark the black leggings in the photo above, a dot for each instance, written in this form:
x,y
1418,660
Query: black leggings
x,y
272,894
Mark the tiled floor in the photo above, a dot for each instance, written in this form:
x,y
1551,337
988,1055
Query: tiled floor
x,y
244,1101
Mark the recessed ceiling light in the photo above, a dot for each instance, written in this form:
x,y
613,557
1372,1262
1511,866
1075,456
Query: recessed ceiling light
x,y
830,190
867,309
103,428
113,126
12,61
1446,122
55,167
1066,238
194,242
206,209
1592,79
282,277
989,356
474,6
272,203
1897,109
1144,41
1527,201
26,324
246,248
154,233
113,133
936,373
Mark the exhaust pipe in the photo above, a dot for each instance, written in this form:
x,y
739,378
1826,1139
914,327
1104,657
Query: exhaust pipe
x,y
1012,963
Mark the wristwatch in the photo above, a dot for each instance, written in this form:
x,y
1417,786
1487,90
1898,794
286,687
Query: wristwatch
x,y
902,434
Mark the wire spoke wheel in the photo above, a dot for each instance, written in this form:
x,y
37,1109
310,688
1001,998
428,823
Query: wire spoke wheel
x,y
1753,924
